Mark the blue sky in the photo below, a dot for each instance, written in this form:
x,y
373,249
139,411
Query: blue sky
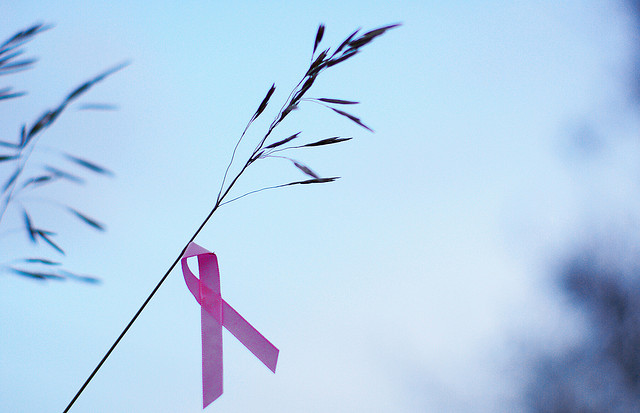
x,y
400,287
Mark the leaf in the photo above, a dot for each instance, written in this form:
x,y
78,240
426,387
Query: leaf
x,y
41,261
313,181
45,236
305,169
353,118
79,90
264,102
379,31
370,35
38,180
84,278
9,145
23,136
318,38
37,274
29,274
89,165
4,94
89,221
30,229
328,141
111,71
282,142
338,101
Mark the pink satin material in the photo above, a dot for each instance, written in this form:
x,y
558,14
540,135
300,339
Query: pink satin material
x,y
216,313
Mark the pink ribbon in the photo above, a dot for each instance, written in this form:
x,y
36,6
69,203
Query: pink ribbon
x,y
216,313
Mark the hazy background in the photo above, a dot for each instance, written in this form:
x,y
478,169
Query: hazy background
x,y
411,284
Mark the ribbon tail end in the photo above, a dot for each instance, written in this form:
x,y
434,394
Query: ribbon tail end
x,y
207,399
273,364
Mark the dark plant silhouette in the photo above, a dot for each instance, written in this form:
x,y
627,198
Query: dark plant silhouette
x,y
601,371
25,177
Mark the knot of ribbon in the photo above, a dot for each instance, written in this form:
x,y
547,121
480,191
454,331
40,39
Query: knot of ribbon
x,y
216,313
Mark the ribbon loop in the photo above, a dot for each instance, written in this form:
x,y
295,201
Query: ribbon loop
x,y
216,313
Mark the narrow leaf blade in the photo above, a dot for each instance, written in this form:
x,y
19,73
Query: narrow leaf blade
x,y
41,261
319,35
313,181
38,180
328,141
5,94
338,101
89,165
89,221
264,102
30,229
9,145
353,118
83,278
282,142
45,236
29,274
305,169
